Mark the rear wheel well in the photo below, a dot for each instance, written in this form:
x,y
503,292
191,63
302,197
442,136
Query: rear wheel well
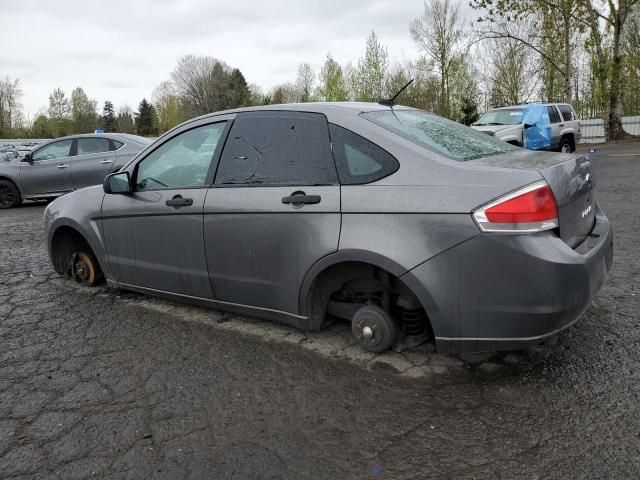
x,y
65,242
359,283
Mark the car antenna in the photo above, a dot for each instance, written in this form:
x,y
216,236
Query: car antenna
x,y
389,101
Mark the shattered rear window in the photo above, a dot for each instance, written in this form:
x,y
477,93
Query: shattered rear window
x,y
436,133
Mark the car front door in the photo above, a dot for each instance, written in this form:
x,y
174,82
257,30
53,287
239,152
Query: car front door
x,y
154,236
92,159
274,209
48,171
556,129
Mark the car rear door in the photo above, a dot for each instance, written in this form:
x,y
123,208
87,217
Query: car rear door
x,y
92,159
154,236
274,209
48,172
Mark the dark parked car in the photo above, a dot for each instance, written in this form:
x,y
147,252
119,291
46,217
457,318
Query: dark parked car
x,y
404,223
65,164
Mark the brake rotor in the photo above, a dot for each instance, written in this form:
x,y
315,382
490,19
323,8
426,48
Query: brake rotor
x,y
82,269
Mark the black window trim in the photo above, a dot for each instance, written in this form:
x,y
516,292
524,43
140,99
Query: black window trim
x,y
213,166
274,185
112,144
397,163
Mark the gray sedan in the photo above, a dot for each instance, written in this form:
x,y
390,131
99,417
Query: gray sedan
x,y
65,164
405,224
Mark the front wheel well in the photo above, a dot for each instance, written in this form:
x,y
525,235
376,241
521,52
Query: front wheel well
x,y
65,242
360,283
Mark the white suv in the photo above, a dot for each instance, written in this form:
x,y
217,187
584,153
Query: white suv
x,y
505,123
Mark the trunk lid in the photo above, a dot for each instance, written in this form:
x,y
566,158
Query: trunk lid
x,y
571,180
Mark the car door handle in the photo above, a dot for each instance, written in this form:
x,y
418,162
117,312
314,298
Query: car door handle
x,y
104,162
61,166
561,125
178,202
299,198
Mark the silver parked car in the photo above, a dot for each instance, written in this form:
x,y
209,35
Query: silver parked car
x,y
397,220
505,123
65,164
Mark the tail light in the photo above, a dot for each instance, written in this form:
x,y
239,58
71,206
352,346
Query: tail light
x,y
527,210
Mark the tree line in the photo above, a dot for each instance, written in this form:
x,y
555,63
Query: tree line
x,y
585,52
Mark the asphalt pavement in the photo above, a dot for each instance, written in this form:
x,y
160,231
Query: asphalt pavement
x,y
109,384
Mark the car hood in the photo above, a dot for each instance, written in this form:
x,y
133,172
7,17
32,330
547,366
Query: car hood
x,y
496,128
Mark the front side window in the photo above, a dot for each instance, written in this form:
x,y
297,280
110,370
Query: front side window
x,y
357,159
86,146
181,162
277,148
53,151
435,133
567,113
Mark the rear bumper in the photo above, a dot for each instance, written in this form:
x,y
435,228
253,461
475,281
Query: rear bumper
x,y
505,292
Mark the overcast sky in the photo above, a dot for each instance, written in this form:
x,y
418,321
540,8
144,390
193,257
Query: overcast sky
x,y
120,50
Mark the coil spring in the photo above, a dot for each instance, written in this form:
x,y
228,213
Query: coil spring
x,y
413,321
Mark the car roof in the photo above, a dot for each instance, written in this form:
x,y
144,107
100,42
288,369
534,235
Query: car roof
x,y
313,107
123,137
525,104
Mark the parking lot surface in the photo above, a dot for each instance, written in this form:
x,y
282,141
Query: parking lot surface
x,y
107,384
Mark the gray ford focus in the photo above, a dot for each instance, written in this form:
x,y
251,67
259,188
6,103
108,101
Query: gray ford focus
x,y
406,225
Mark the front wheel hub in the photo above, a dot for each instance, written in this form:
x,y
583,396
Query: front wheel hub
x,y
82,269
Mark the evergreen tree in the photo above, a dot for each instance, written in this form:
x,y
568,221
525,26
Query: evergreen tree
x,y
238,90
109,117
144,118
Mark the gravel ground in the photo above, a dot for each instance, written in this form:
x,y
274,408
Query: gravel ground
x,y
111,384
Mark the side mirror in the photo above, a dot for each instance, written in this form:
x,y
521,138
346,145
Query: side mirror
x,y
529,125
27,158
117,183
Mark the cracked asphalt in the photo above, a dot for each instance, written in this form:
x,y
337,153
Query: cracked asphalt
x,y
107,384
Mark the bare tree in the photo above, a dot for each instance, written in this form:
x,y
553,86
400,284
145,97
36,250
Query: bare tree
x,y
614,19
304,82
438,33
511,71
10,108
199,82
167,105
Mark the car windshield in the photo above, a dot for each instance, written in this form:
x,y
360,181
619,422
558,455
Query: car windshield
x,y
436,133
503,116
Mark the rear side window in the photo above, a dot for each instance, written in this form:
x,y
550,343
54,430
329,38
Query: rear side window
x,y
278,148
554,116
87,146
567,112
357,159
438,134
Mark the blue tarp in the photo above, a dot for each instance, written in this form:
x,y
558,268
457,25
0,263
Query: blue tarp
x,y
539,134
